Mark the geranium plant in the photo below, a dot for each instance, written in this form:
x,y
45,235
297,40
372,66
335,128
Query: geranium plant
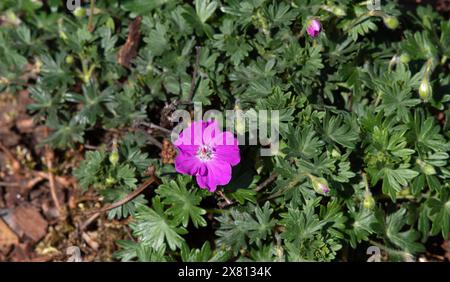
x,y
362,96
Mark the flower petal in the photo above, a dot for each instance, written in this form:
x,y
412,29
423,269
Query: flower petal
x,y
187,164
191,135
188,149
226,148
210,132
228,154
218,173
315,24
224,138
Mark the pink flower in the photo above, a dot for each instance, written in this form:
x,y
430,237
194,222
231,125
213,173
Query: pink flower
x,y
208,153
314,28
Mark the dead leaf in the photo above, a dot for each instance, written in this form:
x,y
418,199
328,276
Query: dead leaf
x,y
7,236
129,50
27,221
88,239
446,247
25,125
21,253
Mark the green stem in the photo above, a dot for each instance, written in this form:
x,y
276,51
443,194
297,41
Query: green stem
x,y
90,25
366,184
299,177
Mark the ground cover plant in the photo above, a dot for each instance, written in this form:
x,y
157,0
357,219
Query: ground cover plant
x,y
88,89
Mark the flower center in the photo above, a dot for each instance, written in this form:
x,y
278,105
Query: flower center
x,y
205,153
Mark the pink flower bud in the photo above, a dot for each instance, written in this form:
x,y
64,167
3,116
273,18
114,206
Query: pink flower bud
x,y
320,185
314,28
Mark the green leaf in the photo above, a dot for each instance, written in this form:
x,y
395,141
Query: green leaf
x,y
93,102
203,92
183,202
128,209
44,102
361,26
440,214
339,130
301,224
142,7
205,9
127,175
157,40
361,226
66,135
405,240
154,229
54,73
132,251
394,179
426,134
240,228
304,143
235,46
205,254
90,169
243,195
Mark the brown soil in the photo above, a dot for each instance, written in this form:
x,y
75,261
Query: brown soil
x,y
34,224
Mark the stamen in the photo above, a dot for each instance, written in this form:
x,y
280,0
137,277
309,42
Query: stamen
x,y
205,153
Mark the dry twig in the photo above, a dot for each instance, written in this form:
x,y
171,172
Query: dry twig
x,y
227,202
128,198
151,125
125,200
10,156
266,182
194,75
90,25
51,178
27,184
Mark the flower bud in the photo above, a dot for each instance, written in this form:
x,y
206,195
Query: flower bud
x,y
63,35
261,22
425,90
11,18
114,157
239,118
69,59
427,22
390,22
110,181
404,193
320,185
426,168
314,28
79,12
405,58
110,24
335,153
338,11
369,201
